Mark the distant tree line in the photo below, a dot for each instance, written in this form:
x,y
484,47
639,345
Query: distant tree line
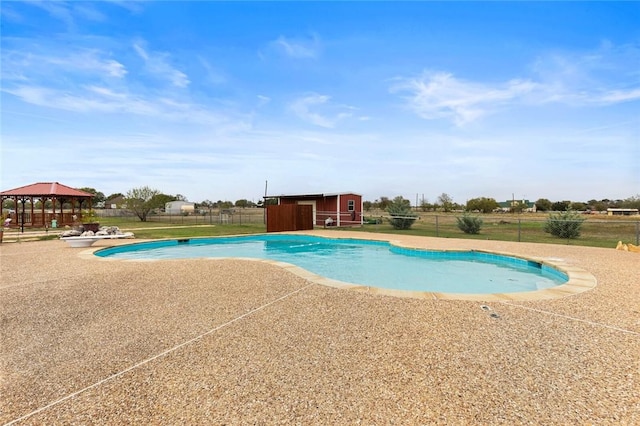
x,y
445,203
143,200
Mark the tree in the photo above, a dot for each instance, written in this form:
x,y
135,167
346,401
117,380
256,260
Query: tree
x,y
366,205
482,204
160,200
142,200
579,206
560,206
446,202
116,195
543,205
632,202
242,203
596,205
402,216
224,204
98,197
518,206
425,205
384,203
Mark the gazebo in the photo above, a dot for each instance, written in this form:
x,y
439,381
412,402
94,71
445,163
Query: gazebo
x,y
55,192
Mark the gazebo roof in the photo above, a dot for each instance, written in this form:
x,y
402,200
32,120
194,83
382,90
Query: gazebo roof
x,y
46,189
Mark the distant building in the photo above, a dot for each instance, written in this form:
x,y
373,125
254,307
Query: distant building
x,y
179,207
623,212
525,205
115,203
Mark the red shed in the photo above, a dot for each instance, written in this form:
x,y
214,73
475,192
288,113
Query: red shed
x,y
343,209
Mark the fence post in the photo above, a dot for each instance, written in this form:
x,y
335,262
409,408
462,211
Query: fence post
x,y
519,220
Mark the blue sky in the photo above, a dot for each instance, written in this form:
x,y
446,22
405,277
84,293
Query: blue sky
x,y
212,99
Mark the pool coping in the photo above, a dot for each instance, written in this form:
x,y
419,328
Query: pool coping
x,y
579,280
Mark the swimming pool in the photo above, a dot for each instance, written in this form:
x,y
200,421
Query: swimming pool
x,y
364,262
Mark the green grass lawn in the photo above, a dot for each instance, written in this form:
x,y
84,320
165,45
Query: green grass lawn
x,y
157,229
596,232
198,231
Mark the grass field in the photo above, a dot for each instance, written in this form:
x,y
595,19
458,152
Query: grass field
x,y
600,232
597,231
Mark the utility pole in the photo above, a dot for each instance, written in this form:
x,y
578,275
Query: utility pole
x,y
264,203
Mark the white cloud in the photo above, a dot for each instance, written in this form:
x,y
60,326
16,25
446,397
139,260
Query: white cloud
x,y
157,64
86,10
606,76
37,63
297,48
57,9
616,96
87,80
69,12
263,100
213,75
437,95
328,115
9,14
92,99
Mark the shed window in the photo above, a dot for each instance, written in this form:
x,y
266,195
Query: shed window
x,y
351,205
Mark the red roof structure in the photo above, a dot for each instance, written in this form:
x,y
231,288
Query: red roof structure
x,y
44,189
54,192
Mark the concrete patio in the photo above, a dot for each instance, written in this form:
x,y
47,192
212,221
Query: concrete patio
x,y
89,341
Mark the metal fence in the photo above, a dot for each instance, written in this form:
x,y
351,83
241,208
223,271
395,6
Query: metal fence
x,y
506,227
604,233
237,217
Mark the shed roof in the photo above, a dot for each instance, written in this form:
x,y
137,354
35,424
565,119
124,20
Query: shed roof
x,y
41,189
328,194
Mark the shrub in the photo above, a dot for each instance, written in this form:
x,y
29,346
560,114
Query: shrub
x,y
564,224
401,215
469,224
89,216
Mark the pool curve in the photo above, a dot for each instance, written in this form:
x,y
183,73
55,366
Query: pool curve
x,y
577,280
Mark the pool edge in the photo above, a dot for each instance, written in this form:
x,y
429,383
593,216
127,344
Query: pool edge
x,y
579,280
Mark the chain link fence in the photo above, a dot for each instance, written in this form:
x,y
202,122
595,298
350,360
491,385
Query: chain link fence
x,y
594,232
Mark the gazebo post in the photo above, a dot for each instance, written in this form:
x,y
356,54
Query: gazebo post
x,y
73,207
15,202
33,222
44,219
53,203
22,216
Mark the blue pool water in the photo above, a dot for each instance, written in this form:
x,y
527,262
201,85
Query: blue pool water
x,y
370,263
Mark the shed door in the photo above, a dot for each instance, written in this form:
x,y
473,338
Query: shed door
x,y
311,203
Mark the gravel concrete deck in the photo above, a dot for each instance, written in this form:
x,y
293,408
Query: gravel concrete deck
x,y
88,341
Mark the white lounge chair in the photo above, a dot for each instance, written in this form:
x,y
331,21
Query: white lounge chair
x,y
88,241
